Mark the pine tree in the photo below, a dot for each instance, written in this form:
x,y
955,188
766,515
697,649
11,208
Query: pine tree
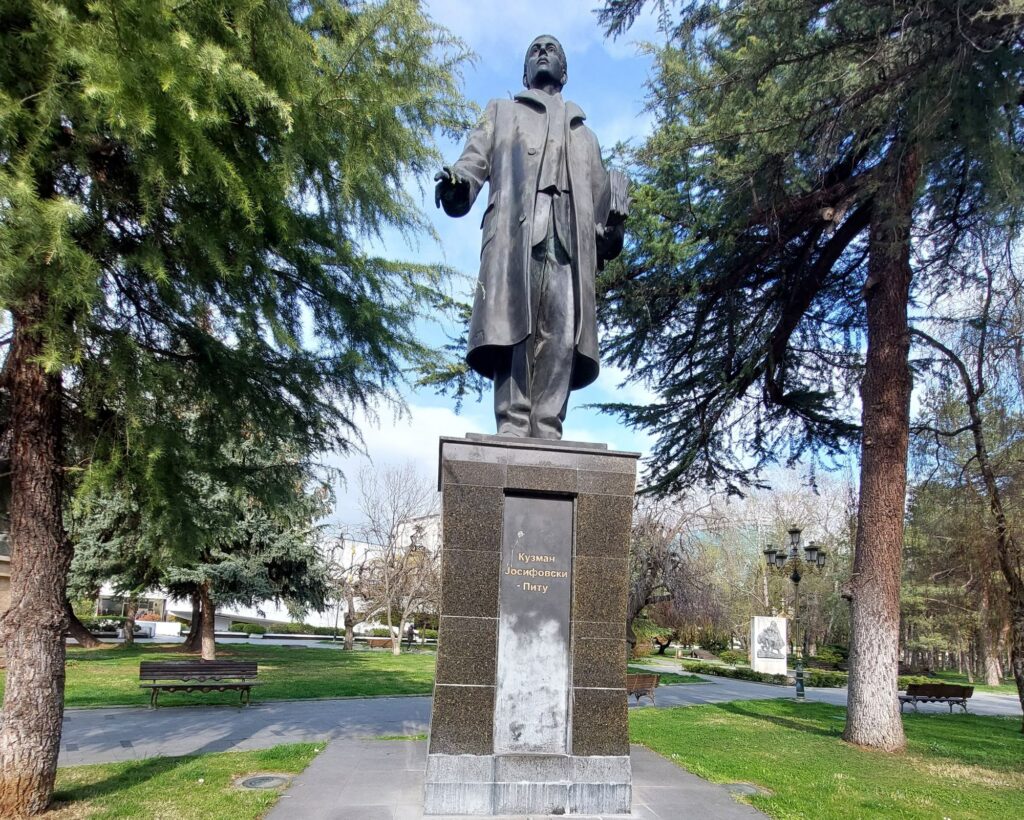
x,y
185,191
251,537
799,147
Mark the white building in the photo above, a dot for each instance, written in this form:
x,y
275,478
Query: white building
x,y
345,556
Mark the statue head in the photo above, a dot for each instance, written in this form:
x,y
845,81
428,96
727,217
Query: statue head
x,y
545,63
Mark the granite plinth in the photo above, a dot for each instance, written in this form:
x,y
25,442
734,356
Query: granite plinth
x,y
530,706
527,784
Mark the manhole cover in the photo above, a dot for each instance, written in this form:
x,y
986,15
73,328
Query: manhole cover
x,y
264,781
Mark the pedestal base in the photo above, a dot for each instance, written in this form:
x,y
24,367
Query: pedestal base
x,y
530,712
527,784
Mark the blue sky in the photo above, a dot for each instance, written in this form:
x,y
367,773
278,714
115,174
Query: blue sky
x,y
606,78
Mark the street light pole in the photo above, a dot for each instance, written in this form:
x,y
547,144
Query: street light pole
x,y
814,558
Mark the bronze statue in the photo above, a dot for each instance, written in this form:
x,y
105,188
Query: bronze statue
x,y
554,216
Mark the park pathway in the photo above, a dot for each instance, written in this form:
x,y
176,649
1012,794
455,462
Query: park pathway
x,y
374,780
132,733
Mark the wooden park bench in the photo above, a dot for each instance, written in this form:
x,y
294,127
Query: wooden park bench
x,y
198,676
641,685
951,693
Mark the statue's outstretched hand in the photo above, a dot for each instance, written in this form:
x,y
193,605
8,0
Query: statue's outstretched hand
x,y
446,181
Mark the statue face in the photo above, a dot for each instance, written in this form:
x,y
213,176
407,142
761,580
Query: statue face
x,y
545,63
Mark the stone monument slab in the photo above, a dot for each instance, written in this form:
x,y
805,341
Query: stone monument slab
x,y
532,689
768,645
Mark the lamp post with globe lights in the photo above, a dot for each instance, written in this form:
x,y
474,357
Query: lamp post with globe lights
x,y
780,560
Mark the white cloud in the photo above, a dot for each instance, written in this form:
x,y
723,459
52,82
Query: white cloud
x,y
393,440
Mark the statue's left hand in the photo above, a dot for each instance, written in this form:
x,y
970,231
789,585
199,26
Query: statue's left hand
x,y
447,182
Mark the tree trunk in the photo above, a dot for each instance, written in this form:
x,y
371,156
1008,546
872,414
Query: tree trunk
x,y
192,640
396,643
873,716
32,630
350,621
988,643
77,630
1007,643
1017,647
131,610
209,650
633,608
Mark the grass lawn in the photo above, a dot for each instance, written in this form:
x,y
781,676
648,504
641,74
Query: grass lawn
x,y
108,677
959,766
667,678
1008,687
176,787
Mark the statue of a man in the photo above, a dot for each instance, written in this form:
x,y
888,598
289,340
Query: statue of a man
x,y
554,215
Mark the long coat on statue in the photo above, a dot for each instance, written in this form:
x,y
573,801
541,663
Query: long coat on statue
x,y
506,149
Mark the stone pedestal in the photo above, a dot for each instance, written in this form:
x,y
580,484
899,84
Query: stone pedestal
x,y
530,710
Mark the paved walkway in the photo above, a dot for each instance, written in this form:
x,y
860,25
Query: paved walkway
x,y
383,780
726,689
131,733
128,733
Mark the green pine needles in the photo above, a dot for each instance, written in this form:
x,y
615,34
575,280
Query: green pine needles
x,y
187,191
781,126
190,186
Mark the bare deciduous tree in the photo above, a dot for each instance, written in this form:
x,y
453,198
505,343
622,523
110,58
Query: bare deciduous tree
x,y
979,355
345,566
401,573
665,561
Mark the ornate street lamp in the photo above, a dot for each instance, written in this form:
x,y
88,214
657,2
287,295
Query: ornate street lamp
x,y
814,559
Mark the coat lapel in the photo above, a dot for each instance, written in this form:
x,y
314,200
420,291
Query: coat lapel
x,y
538,99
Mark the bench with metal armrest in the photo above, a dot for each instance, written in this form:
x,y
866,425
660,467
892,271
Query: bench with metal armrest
x,y
950,693
198,676
641,685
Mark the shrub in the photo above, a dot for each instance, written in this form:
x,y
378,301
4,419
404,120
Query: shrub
x,y
428,633
827,658
248,629
733,657
836,649
905,680
380,632
302,629
824,678
739,672
712,641
643,649
109,623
